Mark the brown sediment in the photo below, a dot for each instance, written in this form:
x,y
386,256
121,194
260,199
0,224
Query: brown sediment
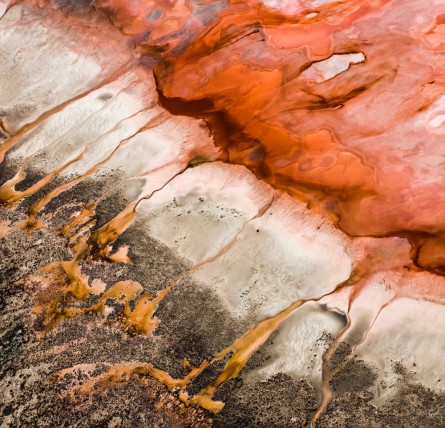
x,y
57,282
241,351
102,239
244,347
327,373
144,305
329,370
80,219
422,289
7,189
140,317
78,284
61,286
151,379
9,196
4,228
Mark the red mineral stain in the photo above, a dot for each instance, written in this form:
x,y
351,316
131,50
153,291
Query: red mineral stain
x,y
355,145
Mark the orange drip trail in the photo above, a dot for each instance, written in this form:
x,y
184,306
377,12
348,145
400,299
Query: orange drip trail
x,y
38,206
9,196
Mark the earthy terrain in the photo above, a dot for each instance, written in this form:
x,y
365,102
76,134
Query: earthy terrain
x,y
222,213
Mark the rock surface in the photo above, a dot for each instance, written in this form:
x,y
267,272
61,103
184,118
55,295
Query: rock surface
x,y
221,213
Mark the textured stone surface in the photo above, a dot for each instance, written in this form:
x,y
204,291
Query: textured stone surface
x,y
221,214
